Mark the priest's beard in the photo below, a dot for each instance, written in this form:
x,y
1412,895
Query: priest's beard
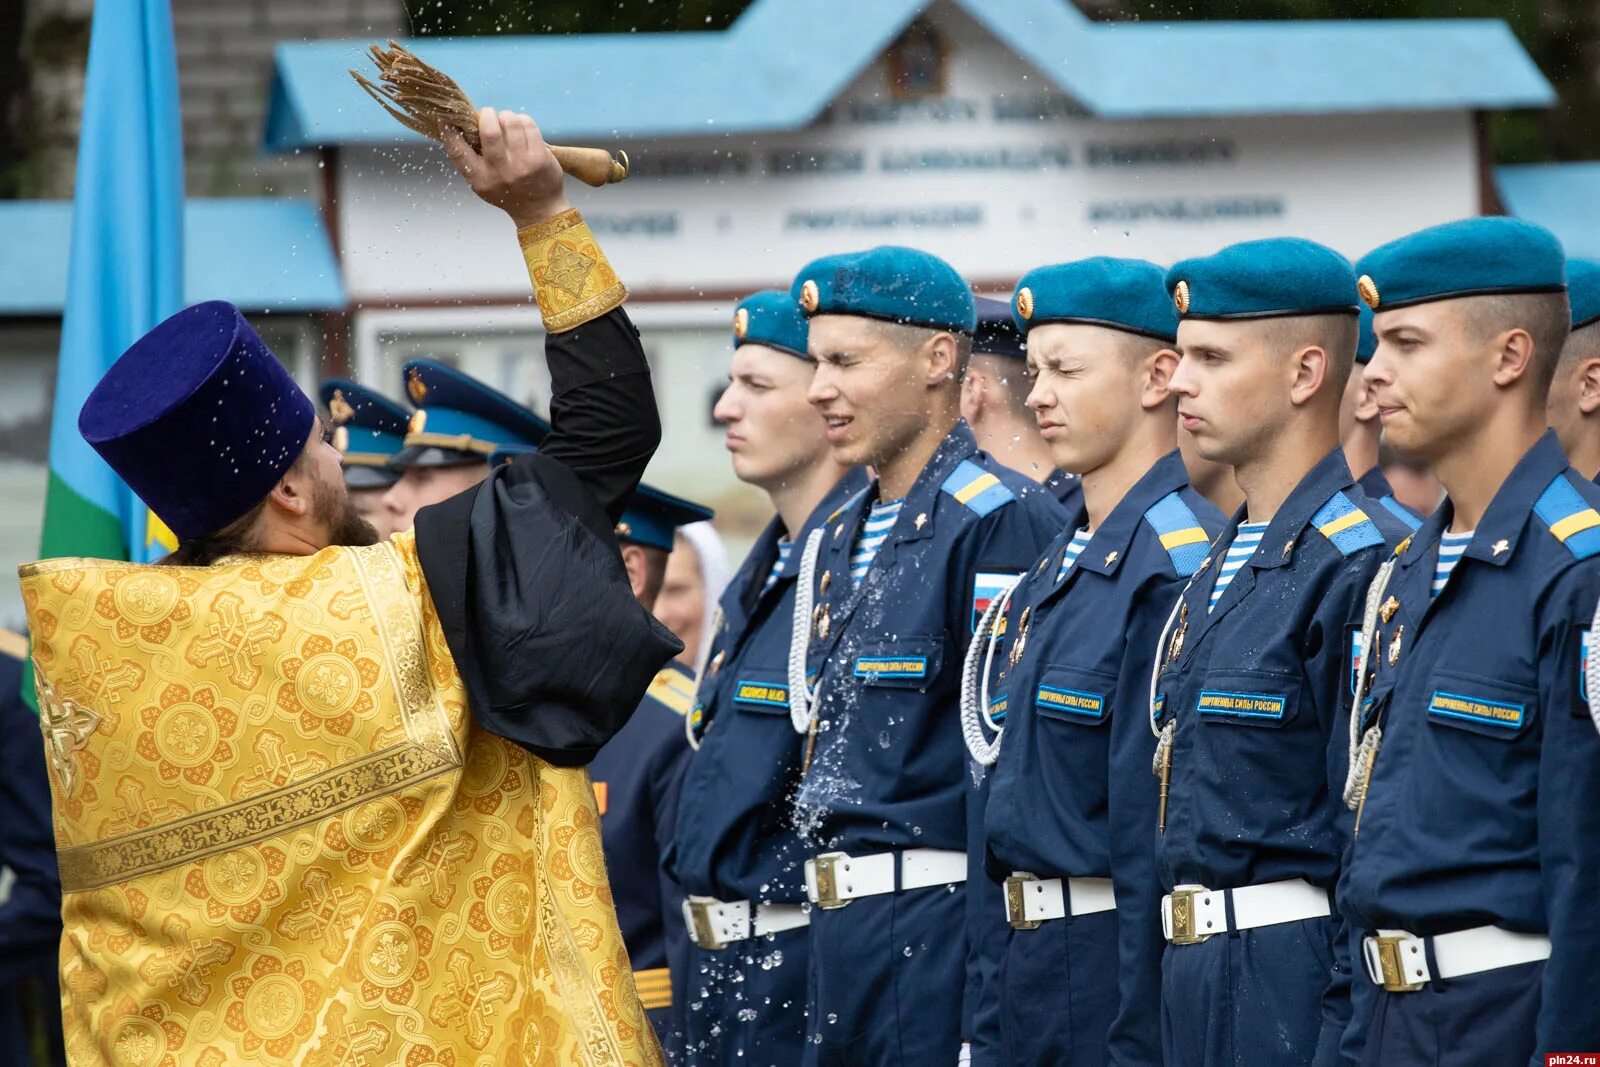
x,y
332,507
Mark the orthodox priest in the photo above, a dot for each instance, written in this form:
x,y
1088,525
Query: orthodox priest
x,y
318,798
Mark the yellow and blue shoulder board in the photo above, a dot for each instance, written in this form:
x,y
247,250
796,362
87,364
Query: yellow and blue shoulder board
x,y
977,488
1347,526
672,689
1180,532
13,645
1571,519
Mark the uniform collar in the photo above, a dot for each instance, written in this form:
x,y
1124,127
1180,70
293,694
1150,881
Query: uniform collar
x,y
958,445
1329,476
1374,484
1495,540
1108,548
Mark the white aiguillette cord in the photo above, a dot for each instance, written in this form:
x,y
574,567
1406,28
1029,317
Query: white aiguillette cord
x,y
975,685
1164,733
1591,673
801,698
1364,745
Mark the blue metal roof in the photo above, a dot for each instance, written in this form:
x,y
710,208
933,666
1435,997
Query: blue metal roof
x,y
1558,196
262,254
782,62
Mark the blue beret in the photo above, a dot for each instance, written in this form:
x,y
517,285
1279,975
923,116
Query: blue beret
x,y
772,318
891,283
1468,257
459,419
1123,294
199,418
997,335
1366,338
369,429
1278,277
652,518
1583,289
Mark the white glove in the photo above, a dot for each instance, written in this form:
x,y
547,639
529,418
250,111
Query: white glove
x,y
965,1059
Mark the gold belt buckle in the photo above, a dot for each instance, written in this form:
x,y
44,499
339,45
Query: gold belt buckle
x,y
1182,906
1390,967
1016,907
700,925
827,881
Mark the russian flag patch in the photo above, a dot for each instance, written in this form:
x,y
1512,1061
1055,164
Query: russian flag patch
x,y
987,587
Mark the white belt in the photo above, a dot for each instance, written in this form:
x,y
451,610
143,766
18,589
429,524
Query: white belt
x,y
1398,961
1192,913
715,924
1031,901
834,879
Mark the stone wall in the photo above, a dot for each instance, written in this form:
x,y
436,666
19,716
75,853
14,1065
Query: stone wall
x,y
225,52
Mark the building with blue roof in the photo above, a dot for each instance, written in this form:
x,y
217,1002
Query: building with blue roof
x,y
999,134
996,133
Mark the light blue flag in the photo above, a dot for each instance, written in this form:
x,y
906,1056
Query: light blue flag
x,y
126,271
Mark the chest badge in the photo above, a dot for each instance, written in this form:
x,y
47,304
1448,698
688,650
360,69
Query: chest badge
x,y
1394,645
1175,646
1501,545
1022,638
922,520
821,621
1390,606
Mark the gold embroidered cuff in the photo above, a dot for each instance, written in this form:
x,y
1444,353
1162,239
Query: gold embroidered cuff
x,y
571,278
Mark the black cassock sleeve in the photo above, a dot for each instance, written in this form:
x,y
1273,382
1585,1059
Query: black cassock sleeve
x,y
526,574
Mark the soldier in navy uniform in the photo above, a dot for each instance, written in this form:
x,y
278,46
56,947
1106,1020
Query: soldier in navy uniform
x,y
30,888
1360,432
1473,871
636,777
458,424
736,853
1258,661
898,581
1573,408
369,429
1070,813
994,401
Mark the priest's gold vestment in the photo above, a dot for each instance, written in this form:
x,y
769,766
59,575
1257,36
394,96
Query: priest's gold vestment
x,y
283,839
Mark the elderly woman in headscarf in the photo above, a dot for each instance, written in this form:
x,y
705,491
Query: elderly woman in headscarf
x,y
697,570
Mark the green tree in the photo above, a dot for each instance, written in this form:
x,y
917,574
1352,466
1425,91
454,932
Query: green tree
x,y
453,17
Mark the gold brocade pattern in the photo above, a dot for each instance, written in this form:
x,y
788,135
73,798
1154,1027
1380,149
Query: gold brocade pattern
x,y
572,280
283,840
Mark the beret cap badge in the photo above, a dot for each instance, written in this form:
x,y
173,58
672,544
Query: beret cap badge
x,y
810,296
1368,290
1025,302
1180,297
741,323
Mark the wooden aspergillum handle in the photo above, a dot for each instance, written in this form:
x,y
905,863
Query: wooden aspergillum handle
x,y
592,166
